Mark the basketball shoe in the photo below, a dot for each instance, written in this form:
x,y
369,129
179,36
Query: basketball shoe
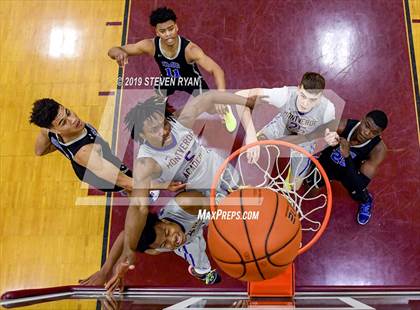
x,y
365,211
211,277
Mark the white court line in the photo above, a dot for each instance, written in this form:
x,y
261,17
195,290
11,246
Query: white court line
x,y
355,303
184,304
12,302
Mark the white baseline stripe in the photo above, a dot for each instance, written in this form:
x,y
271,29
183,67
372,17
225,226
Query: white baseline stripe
x,y
355,303
184,304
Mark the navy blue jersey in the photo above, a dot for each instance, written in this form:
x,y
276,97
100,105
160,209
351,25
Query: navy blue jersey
x,y
177,73
332,160
70,149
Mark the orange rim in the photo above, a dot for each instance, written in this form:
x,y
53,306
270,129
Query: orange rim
x,y
235,154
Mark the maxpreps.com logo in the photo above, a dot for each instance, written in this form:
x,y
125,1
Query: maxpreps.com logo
x,y
206,215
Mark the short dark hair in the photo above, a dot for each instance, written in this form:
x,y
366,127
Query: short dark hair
x,y
161,15
44,111
148,236
135,118
313,82
379,118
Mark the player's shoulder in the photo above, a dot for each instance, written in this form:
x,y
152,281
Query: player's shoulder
x,y
146,45
279,90
326,102
193,51
381,148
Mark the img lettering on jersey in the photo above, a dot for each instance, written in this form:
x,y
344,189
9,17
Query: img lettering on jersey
x,y
297,123
338,158
181,152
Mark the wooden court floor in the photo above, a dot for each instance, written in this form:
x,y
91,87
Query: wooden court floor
x,y
45,239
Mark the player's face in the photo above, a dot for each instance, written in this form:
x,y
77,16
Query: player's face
x,y
67,122
306,101
367,130
168,32
169,236
157,130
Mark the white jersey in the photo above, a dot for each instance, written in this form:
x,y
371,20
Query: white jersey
x,y
194,248
191,224
290,120
185,159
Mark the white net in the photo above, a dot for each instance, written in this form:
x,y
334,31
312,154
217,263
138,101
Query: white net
x,y
286,171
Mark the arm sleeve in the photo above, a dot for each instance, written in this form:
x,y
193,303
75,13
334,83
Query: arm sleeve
x,y
276,96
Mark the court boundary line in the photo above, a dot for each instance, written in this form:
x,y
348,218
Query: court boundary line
x,y
115,127
413,66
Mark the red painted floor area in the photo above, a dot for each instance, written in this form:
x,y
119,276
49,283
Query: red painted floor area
x,y
360,47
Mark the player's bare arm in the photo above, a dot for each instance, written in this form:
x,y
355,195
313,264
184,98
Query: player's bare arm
x,y
145,170
43,144
89,156
121,53
194,54
370,167
205,103
192,201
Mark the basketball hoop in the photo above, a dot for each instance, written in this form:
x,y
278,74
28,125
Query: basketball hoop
x,y
282,167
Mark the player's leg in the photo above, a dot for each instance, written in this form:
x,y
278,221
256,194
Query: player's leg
x,y
300,165
359,192
199,265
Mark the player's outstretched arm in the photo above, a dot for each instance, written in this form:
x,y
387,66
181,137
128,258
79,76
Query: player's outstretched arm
x,y
370,167
121,53
145,169
90,156
192,201
206,103
195,54
100,277
43,144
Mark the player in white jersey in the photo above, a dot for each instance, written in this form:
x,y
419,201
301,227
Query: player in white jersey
x,y
303,109
170,150
177,229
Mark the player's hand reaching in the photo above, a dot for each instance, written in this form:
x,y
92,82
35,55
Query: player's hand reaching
x,y
253,153
110,303
252,101
97,279
242,303
221,109
331,137
117,280
344,147
175,186
121,57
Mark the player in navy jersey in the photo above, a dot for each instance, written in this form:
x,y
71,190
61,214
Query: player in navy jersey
x,y
177,58
90,155
354,156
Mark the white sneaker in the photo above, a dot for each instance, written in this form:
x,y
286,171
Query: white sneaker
x,y
154,195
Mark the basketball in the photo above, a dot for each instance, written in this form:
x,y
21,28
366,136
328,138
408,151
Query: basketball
x,y
255,234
